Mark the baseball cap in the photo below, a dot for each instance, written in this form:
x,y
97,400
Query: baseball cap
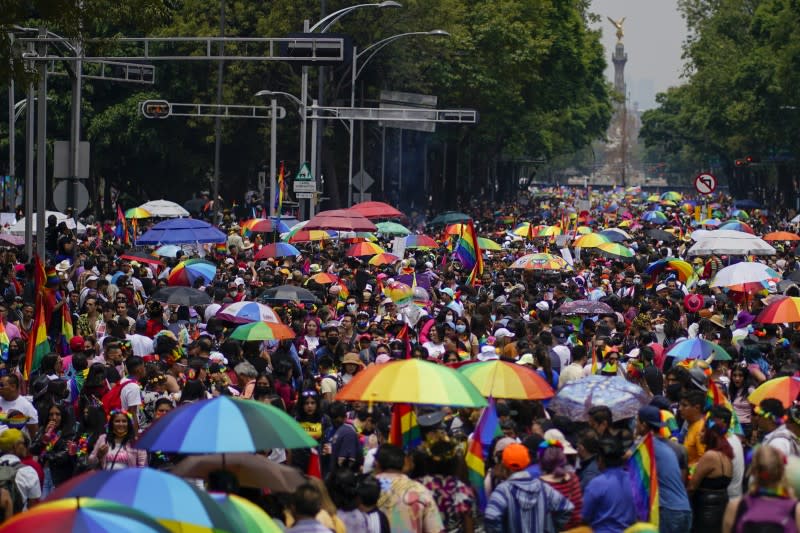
x,y
448,291
516,457
503,332
76,343
651,415
555,434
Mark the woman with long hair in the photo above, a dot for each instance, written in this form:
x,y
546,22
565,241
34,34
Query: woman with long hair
x,y
555,473
708,486
770,504
113,450
739,389
317,424
454,498
55,447
544,367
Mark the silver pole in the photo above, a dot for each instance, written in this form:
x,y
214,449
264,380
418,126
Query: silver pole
x,y
41,152
352,125
72,199
361,149
315,169
314,128
29,166
303,119
218,121
273,148
12,130
383,163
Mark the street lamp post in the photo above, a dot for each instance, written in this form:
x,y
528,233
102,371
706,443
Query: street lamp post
x,y
355,71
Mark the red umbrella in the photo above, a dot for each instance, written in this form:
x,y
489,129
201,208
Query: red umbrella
x,y
376,210
340,220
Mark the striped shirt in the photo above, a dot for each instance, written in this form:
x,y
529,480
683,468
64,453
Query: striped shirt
x,y
571,489
522,504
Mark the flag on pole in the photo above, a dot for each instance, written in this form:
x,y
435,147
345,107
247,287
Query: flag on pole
x,y
469,252
4,342
644,481
404,430
38,345
486,430
67,331
121,231
279,190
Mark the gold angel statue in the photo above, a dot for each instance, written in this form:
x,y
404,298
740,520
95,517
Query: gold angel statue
x,y
618,24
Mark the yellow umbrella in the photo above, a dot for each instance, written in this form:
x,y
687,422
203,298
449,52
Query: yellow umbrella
x,y
584,230
592,240
488,244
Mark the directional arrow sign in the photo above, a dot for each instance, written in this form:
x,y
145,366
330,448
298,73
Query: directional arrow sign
x,y
705,183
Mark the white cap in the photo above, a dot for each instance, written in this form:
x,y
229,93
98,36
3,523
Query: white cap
x,y
503,332
229,261
660,287
555,434
488,353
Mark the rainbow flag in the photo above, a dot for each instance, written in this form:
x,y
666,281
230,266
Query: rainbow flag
x,y
404,430
644,480
121,231
279,190
670,430
714,396
4,341
404,336
469,252
38,345
67,331
486,430
344,293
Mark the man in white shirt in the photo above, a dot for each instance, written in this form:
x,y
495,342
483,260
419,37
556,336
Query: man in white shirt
x,y
131,394
141,344
12,444
11,400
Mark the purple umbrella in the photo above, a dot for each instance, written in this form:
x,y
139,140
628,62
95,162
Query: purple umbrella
x,y
584,307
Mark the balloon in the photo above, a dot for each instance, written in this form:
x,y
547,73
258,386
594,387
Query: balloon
x,y
400,293
421,297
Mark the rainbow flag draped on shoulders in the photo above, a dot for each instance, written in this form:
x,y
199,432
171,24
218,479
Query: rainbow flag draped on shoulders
x,y
714,396
38,344
644,480
4,342
468,252
404,430
486,430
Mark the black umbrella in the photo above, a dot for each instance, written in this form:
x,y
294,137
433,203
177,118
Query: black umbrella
x,y
794,276
449,217
660,235
182,296
289,293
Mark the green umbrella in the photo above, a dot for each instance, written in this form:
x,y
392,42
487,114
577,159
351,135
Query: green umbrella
x,y
247,515
488,244
450,217
262,331
392,228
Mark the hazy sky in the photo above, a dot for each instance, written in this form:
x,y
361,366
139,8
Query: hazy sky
x,y
654,32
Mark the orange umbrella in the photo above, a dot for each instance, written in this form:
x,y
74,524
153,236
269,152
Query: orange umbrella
x,y
384,259
364,248
324,278
781,236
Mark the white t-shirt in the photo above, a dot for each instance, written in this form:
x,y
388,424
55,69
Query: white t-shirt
x,y
140,344
27,479
564,354
23,405
131,396
737,472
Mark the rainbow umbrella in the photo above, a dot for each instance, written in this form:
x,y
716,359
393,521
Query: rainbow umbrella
x,y
745,277
455,229
540,262
312,235
711,222
157,493
262,331
673,196
187,272
81,515
323,278
653,198
501,379
549,231
740,214
616,250
392,228
616,234
412,381
697,349
383,259
224,425
781,236
668,203
785,389
488,244
526,229
420,241
783,310
137,212
263,225
654,217
246,311
584,230
683,269
737,225
363,249
592,240
277,249
245,514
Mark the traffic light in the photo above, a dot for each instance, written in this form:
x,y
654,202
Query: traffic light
x,y
740,162
752,159
156,109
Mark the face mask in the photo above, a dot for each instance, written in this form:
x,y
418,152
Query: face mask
x,y
260,390
449,318
362,323
461,328
673,391
660,328
333,340
352,308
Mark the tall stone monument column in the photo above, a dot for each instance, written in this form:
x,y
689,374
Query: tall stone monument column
x,y
619,57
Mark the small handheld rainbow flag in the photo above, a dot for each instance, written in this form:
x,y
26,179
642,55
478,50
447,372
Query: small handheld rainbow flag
x,y
121,230
279,190
66,330
4,342
644,480
468,251
487,428
404,430
714,396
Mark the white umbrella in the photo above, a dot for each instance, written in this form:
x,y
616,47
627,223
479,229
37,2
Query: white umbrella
x,y
743,273
164,209
19,227
728,242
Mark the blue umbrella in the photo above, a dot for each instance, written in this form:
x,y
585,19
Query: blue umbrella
x,y
620,395
181,231
224,425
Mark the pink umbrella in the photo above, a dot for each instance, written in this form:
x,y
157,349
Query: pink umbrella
x,y
13,240
376,210
340,220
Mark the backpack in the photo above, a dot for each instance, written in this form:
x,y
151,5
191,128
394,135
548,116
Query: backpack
x,y
8,481
766,515
112,399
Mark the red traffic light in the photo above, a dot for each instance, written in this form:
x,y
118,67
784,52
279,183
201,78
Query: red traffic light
x,y
740,162
156,109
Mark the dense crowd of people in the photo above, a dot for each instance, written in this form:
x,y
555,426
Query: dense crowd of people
x,y
132,359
